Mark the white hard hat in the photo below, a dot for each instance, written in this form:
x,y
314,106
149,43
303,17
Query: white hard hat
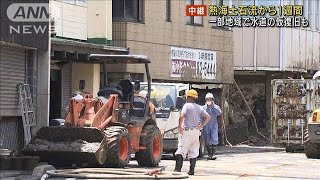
x,y
143,93
78,98
209,95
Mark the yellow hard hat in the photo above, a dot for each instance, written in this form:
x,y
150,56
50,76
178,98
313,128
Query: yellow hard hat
x,y
192,93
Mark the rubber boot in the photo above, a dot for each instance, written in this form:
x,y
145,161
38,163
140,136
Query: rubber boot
x,y
209,149
179,162
213,150
192,165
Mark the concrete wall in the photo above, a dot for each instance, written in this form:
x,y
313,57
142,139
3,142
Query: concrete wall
x,y
100,20
88,72
43,91
89,20
155,36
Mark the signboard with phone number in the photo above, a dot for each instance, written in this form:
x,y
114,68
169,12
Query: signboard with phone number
x,y
202,62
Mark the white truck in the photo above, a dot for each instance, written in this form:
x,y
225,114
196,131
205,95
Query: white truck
x,y
168,99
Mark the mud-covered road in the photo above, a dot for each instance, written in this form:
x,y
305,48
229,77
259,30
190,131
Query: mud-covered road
x,y
267,165
258,165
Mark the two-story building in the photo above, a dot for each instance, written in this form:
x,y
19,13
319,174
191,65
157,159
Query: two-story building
x,y
80,28
24,58
181,48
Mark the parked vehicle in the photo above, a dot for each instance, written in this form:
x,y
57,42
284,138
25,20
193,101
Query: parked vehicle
x,y
168,99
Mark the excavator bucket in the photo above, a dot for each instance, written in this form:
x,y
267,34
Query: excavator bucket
x,y
70,145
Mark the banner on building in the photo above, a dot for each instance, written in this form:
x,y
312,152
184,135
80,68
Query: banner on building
x,y
195,63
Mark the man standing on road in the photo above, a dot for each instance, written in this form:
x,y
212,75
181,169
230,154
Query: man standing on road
x,y
210,131
189,131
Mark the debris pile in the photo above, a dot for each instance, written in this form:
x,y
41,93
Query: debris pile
x,y
240,116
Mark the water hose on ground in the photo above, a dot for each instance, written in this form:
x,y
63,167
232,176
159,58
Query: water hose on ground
x,y
110,173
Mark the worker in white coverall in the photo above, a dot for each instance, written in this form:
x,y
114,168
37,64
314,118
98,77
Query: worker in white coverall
x,y
210,130
189,131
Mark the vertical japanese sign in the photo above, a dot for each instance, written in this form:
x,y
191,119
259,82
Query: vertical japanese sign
x,y
202,63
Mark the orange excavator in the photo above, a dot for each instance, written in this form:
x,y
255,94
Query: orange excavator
x,y
106,130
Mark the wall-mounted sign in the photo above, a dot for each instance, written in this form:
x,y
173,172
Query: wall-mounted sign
x,y
196,63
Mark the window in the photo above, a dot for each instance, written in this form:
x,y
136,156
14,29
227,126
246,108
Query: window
x,y
69,1
76,2
195,20
162,96
220,3
168,10
128,10
81,3
182,93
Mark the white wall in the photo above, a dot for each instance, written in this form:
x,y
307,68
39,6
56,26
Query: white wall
x,y
70,18
287,49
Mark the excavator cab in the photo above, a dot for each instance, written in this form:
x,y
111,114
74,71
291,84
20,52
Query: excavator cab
x,y
104,130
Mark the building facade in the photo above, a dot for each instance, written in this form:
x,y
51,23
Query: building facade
x,y
181,49
80,28
263,54
161,30
24,58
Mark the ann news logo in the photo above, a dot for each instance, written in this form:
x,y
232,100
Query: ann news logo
x,y
28,18
196,10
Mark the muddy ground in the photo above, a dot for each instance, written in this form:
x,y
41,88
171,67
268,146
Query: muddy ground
x,y
76,146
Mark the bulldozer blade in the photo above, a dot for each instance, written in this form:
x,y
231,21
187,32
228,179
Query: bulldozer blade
x,y
68,145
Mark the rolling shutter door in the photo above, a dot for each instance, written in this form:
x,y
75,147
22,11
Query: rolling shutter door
x,y
12,72
66,87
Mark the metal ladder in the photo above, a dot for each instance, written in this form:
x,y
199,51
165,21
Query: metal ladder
x,y
27,109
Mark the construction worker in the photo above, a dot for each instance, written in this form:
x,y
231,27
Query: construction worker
x,y
189,131
144,94
210,130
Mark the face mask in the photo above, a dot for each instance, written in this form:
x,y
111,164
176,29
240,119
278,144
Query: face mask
x,y
209,103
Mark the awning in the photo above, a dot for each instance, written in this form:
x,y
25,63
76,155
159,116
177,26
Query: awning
x,y
77,51
118,59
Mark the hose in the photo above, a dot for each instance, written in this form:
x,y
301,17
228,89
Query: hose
x,y
110,173
223,123
225,132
